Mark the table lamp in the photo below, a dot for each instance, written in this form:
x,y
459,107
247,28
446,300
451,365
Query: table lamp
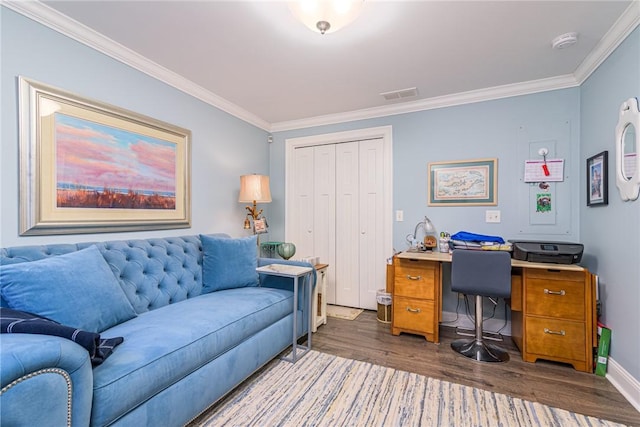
x,y
429,242
254,189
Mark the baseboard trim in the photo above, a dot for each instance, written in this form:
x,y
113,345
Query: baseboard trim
x,y
622,380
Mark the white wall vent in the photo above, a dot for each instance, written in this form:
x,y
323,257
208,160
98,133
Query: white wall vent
x,y
400,94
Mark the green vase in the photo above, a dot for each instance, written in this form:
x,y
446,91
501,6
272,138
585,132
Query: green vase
x,y
286,250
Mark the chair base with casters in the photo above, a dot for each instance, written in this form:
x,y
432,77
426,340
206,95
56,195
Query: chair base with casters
x,y
476,348
480,273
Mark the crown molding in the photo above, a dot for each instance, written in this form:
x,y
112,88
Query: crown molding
x,y
61,23
470,97
73,29
626,23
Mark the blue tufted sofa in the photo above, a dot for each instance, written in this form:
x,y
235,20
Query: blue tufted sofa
x,y
183,351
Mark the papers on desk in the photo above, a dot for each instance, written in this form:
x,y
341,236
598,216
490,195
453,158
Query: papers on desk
x,y
485,246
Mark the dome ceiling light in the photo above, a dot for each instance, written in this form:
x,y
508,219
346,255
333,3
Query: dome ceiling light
x,y
326,16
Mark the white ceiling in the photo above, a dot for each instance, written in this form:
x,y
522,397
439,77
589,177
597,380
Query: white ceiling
x,y
253,59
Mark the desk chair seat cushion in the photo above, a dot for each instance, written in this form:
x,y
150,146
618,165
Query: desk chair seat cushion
x,y
485,273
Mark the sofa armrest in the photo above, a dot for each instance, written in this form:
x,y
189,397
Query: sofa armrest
x,y
45,380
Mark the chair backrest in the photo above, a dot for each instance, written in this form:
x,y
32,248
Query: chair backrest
x,y
485,273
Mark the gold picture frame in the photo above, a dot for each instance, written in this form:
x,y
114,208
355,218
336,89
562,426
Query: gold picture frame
x,y
90,167
463,183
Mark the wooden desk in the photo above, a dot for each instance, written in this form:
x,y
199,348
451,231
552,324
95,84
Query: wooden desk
x,y
552,306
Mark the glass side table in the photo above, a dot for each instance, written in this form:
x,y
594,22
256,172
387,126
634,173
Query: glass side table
x,y
294,272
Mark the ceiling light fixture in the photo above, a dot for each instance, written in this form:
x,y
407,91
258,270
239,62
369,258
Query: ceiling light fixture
x,y
564,40
326,16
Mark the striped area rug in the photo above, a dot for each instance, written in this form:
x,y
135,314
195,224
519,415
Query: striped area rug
x,y
326,390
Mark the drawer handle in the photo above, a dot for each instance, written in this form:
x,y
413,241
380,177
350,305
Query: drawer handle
x,y
413,277
549,331
413,310
561,292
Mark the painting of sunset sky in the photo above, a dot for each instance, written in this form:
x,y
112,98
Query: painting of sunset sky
x,y
99,166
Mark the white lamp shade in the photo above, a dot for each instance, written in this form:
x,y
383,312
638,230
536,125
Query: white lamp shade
x,y
254,188
338,13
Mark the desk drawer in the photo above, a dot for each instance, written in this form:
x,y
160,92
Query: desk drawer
x,y
553,274
555,338
555,298
415,279
413,314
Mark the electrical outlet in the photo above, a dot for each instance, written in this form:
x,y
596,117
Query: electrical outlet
x,y
492,216
399,216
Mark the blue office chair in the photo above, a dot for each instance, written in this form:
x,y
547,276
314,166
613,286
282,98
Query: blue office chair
x,y
480,273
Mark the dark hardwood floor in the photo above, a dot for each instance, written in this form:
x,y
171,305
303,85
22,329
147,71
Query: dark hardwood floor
x,y
550,383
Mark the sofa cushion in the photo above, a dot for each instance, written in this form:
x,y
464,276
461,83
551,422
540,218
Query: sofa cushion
x,y
229,263
77,289
163,346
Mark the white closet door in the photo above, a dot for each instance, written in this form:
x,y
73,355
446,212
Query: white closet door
x,y
302,218
324,219
347,225
371,213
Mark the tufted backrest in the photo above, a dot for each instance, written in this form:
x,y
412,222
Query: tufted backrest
x,y
153,272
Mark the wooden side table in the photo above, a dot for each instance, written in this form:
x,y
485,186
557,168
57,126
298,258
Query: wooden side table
x,y
294,272
320,297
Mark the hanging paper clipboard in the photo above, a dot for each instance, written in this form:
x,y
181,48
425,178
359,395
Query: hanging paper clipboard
x,y
534,170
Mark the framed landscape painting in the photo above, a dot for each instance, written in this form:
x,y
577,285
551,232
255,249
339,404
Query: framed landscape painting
x,y
463,183
89,167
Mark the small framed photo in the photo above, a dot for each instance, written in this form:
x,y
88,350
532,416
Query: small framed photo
x,y
260,226
598,180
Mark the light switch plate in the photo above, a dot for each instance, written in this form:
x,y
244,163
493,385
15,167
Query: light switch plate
x,y
492,216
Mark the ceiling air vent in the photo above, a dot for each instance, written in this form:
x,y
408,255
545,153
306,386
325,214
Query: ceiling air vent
x,y
400,94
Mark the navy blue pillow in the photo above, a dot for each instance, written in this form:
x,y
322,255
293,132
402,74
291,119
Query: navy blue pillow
x,y
229,263
20,322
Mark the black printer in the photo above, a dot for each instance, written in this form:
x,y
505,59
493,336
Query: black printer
x,y
552,252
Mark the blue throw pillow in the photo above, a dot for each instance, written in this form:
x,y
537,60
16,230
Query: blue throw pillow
x,y
77,289
229,263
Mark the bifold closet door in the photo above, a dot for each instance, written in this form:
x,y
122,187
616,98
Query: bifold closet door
x,y
371,221
314,215
338,216
324,212
302,215
347,224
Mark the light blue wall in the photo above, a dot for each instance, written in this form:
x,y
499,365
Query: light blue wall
x,y
502,129
613,231
220,142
